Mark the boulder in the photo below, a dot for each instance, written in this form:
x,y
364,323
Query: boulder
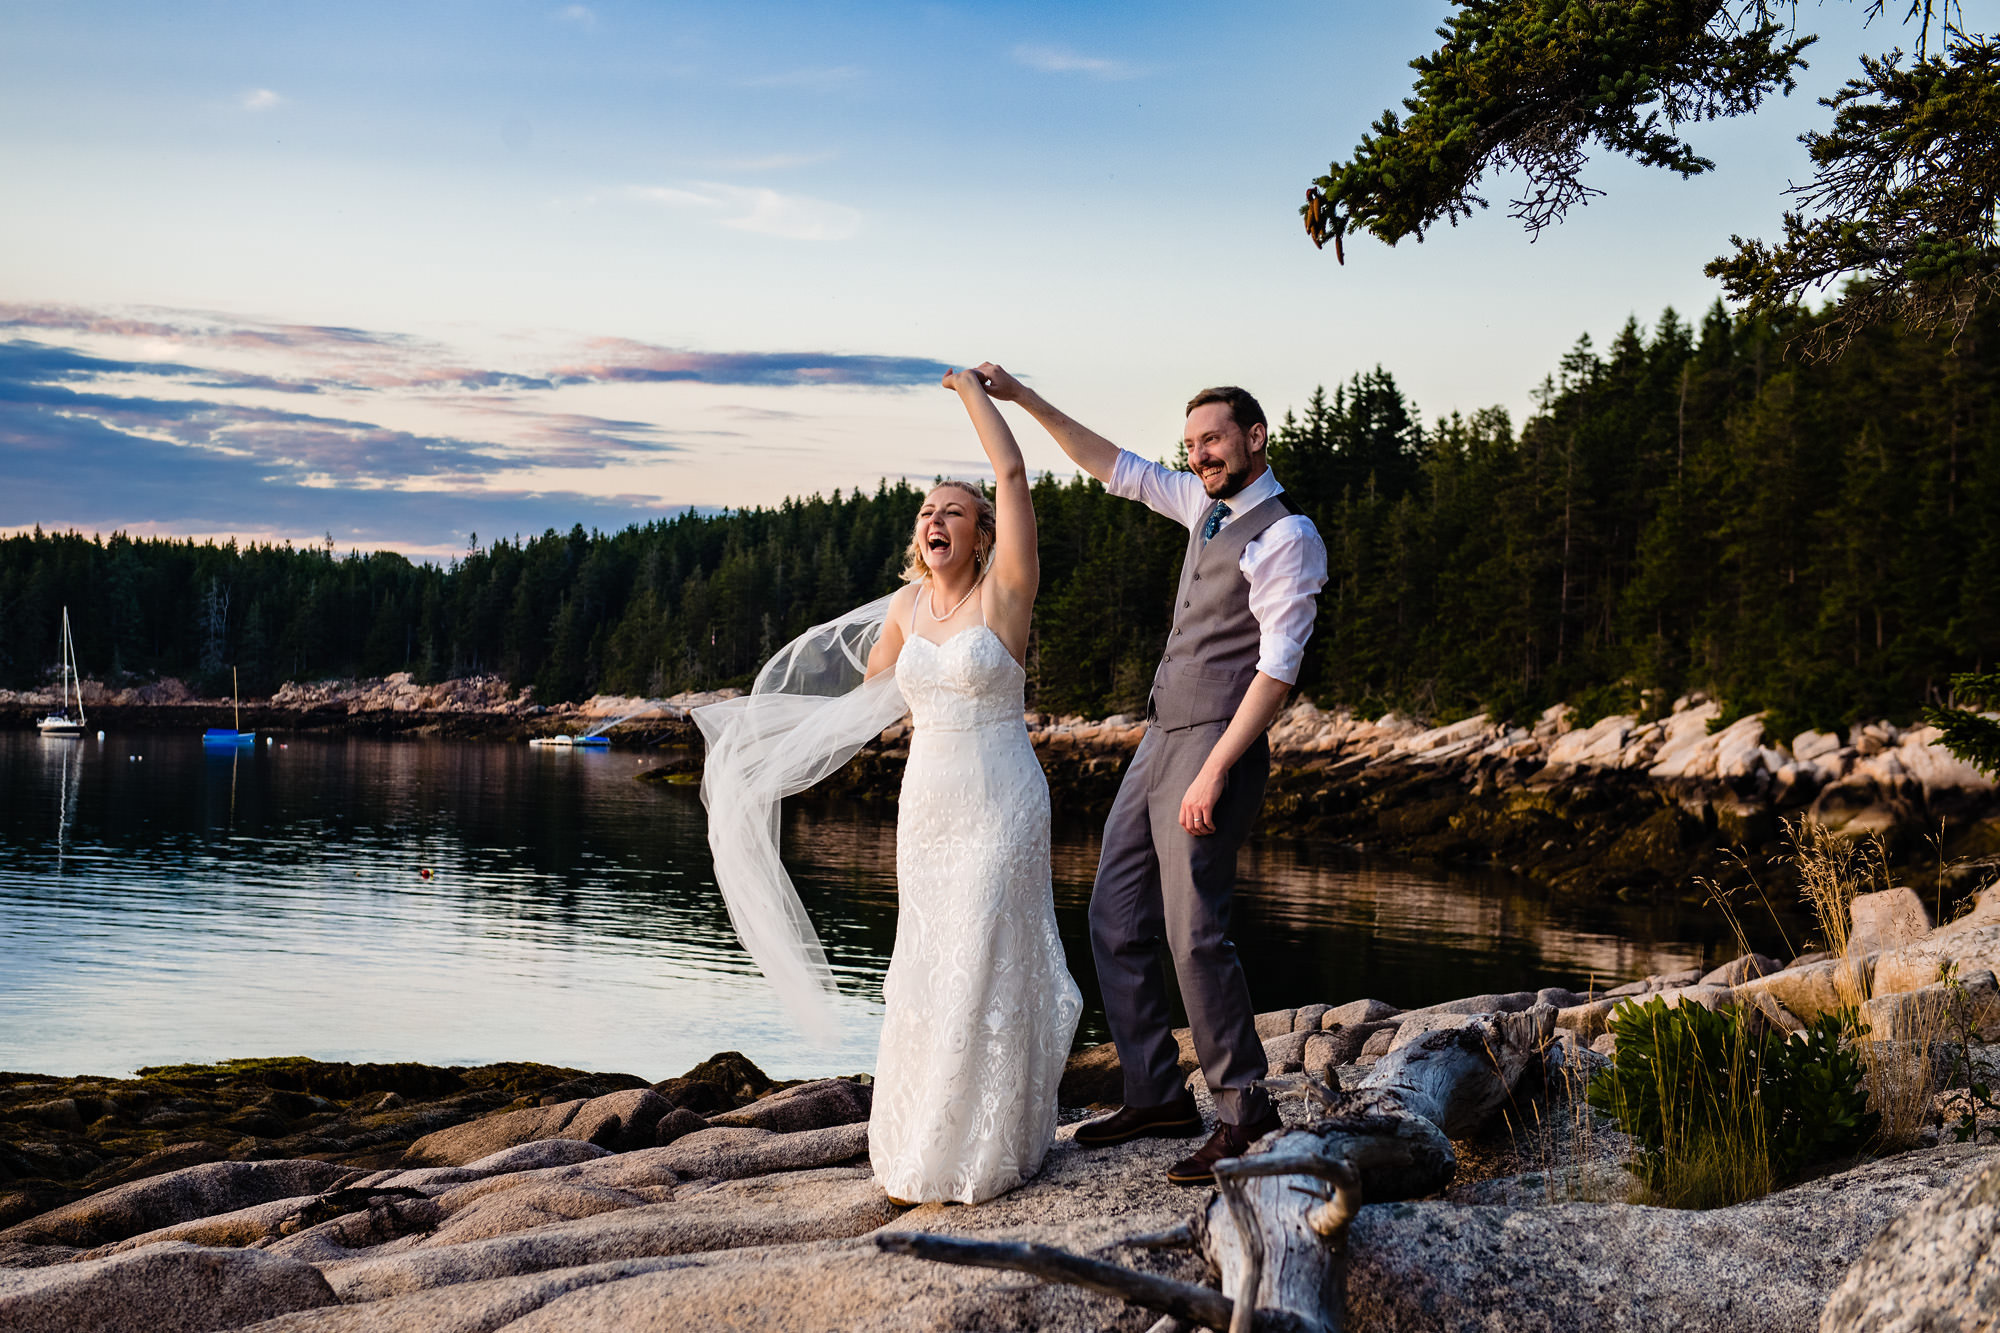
x,y
245,1226
1766,1266
1325,1051
1512,1003
173,1288
179,1196
1660,981
1708,997
1379,1043
730,1075
1356,1012
470,1307
677,1124
173,1157
1286,1054
1886,920
773,1210
1416,1025
1747,968
385,1219
1936,1014
521,1157
1812,989
726,1154
1973,945
618,1121
1936,1267
532,1203
1587,1021
817,1105
1307,1017
1276,1023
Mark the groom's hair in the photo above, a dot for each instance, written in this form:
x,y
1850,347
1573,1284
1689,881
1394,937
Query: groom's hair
x,y
1243,409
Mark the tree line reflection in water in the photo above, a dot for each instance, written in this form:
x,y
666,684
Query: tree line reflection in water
x,y
157,904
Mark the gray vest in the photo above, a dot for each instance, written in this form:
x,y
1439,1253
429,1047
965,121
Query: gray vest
x,y
1211,655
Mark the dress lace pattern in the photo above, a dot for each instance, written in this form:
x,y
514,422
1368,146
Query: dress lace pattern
x,y
980,1008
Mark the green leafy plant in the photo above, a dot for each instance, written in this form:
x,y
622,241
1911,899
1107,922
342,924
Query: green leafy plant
x,y
1722,1111
1815,1095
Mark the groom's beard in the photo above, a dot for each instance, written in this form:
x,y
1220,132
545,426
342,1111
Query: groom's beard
x,y
1229,483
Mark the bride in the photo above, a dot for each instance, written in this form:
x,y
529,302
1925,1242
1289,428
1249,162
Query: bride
x,y
979,1008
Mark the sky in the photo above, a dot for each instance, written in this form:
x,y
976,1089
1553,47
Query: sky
x,y
399,274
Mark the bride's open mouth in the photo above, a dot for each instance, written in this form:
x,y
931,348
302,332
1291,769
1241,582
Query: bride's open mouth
x,y
938,542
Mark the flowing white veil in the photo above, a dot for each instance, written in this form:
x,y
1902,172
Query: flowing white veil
x,y
808,713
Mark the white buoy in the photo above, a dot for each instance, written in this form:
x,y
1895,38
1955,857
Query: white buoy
x,y
100,735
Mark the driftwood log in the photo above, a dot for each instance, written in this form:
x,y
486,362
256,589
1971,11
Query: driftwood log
x,y
1275,1230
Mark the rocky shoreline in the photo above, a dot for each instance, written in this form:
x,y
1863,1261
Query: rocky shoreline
x,y
1623,805
297,1196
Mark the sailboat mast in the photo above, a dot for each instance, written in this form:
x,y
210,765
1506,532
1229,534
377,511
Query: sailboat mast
x,y
236,695
70,671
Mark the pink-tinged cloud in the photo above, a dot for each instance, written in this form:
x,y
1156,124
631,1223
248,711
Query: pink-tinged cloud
x,y
624,360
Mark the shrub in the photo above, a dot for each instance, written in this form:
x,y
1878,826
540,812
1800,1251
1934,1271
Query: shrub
x,y
1723,1112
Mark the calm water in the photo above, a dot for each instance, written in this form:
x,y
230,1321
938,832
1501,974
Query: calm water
x,y
158,904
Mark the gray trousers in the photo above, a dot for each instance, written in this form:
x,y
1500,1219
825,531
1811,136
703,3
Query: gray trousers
x,y
1156,881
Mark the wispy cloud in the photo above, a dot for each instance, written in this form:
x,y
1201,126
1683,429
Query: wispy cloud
x,y
794,217
583,16
1062,60
149,418
261,99
826,76
620,359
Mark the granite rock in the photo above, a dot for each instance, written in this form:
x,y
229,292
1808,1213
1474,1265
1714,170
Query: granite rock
x,y
171,1288
817,1105
1766,1266
781,1209
178,1196
468,1307
1935,1268
1747,968
677,1124
1356,1012
619,1121
1886,920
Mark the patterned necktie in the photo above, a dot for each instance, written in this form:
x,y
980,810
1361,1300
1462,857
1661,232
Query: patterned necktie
x,y
1215,517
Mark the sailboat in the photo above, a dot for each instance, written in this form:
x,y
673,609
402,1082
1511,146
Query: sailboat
x,y
60,723
224,735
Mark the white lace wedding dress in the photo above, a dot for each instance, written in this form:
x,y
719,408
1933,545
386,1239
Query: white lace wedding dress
x,y
980,1008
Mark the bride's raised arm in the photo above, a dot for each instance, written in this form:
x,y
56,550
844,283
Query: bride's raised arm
x,y
1016,571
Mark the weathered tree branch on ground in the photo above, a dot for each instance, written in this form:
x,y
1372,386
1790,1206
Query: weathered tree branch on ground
x,y
1183,1300
1276,1228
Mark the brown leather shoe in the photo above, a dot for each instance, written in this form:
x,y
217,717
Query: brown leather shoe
x,y
1227,1141
1176,1120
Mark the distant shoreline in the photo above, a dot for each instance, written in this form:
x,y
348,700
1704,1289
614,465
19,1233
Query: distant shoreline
x,y
1624,806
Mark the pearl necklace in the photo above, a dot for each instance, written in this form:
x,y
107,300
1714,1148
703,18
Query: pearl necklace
x,y
940,619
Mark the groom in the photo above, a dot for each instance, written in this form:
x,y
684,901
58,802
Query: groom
x,y
1244,609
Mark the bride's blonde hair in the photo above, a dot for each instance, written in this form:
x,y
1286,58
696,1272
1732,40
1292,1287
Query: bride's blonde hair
x,y
987,528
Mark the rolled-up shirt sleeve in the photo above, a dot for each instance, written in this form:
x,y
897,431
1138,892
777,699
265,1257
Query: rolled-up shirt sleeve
x,y
1286,566
1178,495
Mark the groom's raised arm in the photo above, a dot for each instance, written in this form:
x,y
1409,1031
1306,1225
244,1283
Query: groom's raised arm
x,y
1085,447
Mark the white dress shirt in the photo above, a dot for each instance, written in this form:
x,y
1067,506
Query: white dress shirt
x,y
1285,563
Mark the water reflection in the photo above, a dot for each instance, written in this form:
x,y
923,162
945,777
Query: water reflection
x,y
157,905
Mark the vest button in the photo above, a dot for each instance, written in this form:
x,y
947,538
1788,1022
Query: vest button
x,y
1187,604
1197,578
1177,633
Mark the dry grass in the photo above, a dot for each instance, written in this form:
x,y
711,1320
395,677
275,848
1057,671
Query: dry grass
x,y
1906,1066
